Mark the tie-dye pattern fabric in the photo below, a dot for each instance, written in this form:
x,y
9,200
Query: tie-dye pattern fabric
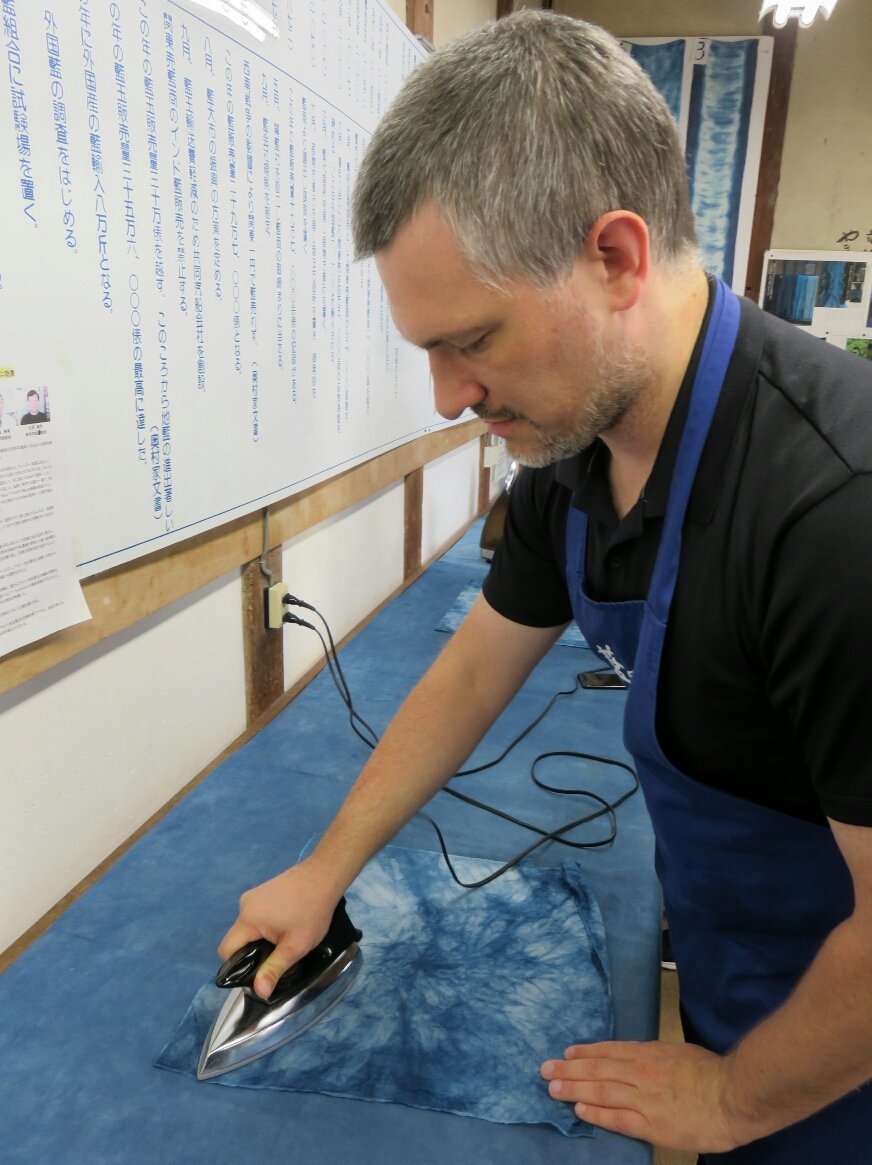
x,y
462,995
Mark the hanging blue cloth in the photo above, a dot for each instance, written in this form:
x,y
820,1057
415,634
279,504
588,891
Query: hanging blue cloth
x,y
462,995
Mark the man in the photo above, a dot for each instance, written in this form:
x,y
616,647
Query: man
x,y
34,415
699,500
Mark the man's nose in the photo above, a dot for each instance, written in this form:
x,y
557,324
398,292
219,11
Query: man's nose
x,y
455,387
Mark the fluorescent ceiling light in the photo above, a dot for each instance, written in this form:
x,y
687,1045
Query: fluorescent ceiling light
x,y
783,10
249,16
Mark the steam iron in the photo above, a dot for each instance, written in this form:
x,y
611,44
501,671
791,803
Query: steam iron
x,y
248,1027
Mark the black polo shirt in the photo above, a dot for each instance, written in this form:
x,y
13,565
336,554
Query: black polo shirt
x,y
766,685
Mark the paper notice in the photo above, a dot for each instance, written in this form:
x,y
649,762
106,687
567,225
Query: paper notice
x,y
39,587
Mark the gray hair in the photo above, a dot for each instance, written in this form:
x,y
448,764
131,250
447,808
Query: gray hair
x,y
525,131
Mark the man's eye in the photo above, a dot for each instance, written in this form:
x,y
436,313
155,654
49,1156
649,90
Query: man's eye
x,y
475,346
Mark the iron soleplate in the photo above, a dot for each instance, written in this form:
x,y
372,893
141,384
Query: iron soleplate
x,y
246,1028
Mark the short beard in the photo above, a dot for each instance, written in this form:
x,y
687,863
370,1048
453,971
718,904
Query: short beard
x,y
618,381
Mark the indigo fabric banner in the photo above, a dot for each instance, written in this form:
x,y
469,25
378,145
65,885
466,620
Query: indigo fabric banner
x,y
716,88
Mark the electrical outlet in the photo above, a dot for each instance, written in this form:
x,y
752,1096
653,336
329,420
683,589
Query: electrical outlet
x,y
273,608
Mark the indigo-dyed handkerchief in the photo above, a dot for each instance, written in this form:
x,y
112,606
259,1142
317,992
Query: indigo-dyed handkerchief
x,y
462,995
451,620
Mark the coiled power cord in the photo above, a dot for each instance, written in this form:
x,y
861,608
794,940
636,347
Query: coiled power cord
x,y
369,736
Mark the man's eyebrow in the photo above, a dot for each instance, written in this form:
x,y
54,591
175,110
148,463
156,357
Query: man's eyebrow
x,y
457,338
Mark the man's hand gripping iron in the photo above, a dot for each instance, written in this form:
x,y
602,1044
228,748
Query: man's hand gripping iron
x,y
248,1027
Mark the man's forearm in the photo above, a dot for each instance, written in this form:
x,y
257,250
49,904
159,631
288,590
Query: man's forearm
x,y
431,735
815,1048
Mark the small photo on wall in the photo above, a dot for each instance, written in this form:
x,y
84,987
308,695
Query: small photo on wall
x,y
823,291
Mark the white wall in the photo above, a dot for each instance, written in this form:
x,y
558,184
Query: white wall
x,y
452,20
94,747
399,6
450,497
345,566
826,168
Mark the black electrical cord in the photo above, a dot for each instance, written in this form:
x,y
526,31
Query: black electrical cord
x,y
606,808
533,724
338,677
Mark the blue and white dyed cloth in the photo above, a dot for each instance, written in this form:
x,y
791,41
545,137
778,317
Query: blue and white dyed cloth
x,y
462,995
451,620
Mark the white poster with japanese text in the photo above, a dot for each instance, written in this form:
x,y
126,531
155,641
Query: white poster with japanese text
x,y
174,211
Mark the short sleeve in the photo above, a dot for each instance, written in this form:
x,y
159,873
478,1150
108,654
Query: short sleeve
x,y
527,579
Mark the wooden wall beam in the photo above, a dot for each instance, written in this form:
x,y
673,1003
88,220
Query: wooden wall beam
x,y
419,17
484,477
413,518
121,597
263,649
777,103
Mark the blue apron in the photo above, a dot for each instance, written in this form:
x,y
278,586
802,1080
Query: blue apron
x,y
750,893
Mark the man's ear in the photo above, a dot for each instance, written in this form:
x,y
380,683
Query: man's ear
x,y
620,243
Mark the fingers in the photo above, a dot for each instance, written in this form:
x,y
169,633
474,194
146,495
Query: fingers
x,y
599,1081
236,938
609,1104
603,1093
599,1077
668,1094
273,967
603,1079
271,970
605,1061
609,1049
615,1120
290,911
